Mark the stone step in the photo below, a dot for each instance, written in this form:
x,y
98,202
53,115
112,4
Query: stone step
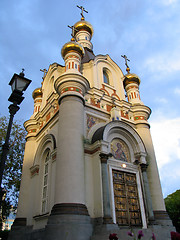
x,y
102,233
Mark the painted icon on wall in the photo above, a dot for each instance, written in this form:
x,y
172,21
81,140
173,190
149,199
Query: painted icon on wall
x,y
120,150
90,121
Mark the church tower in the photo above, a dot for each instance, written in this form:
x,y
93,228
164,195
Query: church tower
x,y
89,164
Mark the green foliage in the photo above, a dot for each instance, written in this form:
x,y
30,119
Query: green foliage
x,y
172,203
13,165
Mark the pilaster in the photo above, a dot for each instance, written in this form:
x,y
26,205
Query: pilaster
x,y
105,187
147,192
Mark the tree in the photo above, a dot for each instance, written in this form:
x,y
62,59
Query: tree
x,y
13,165
172,203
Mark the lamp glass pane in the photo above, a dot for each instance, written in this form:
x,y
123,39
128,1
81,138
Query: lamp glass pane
x,y
13,86
21,84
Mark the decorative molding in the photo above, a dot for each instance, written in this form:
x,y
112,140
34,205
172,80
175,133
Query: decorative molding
x,y
45,215
69,208
124,114
71,89
131,87
140,118
88,151
108,107
34,170
32,130
94,103
161,215
38,100
48,116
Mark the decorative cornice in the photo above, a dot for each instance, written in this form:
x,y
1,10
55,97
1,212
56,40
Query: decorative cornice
x,y
92,148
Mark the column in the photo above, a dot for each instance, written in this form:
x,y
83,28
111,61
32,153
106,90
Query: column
x,y
70,180
105,187
69,216
70,152
147,192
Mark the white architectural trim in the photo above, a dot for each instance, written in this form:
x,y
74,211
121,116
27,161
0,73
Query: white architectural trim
x,y
47,141
119,128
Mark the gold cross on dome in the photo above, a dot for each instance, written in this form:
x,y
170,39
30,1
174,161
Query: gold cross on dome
x,y
82,10
44,71
73,31
126,59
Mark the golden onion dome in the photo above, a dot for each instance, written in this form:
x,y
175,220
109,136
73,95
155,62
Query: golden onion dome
x,y
84,25
72,47
37,93
131,78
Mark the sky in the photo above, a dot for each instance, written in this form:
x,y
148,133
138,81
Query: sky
x,y
32,33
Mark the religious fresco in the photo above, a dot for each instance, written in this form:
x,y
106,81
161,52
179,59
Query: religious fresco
x,y
120,150
91,121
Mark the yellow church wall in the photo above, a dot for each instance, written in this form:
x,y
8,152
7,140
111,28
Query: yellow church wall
x,y
97,181
93,183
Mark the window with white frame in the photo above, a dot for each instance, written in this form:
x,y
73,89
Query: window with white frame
x,y
45,182
105,76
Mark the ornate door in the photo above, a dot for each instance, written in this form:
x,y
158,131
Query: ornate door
x,y
126,199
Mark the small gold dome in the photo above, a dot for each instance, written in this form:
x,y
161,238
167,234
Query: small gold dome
x,y
71,47
37,93
84,25
131,78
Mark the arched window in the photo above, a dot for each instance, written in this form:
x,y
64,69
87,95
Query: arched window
x,y
45,181
105,77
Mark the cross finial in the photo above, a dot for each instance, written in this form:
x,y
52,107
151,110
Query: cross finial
x,y
73,32
44,71
82,10
126,59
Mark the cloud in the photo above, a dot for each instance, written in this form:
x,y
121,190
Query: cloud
x,y
177,91
161,100
169,2
166,139
163,62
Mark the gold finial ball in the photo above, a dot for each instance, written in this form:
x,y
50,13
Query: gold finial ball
x,y
128,69
84,26
131,78
37,93
72,47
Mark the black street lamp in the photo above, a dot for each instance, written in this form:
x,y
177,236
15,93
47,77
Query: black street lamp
x,y
18,84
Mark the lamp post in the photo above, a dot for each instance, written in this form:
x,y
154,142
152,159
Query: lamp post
x,y
18,84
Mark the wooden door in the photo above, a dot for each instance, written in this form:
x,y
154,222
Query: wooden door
x,y
126,199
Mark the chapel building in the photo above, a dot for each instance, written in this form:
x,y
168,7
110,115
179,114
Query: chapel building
x,y
89,164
